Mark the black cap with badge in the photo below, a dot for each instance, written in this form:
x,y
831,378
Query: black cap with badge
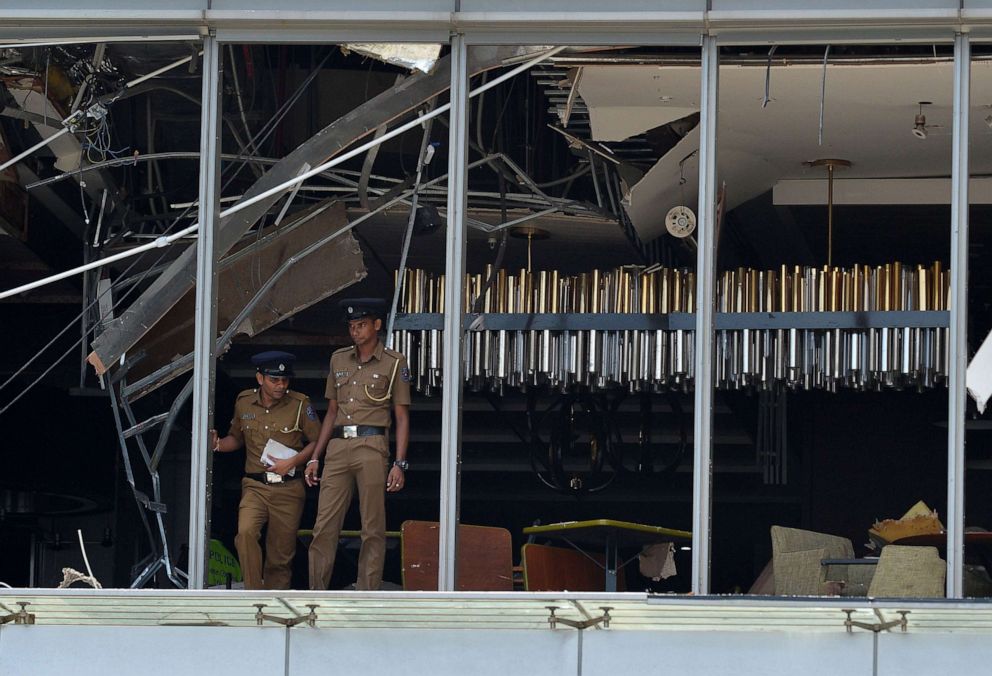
x,y
360,308
274,363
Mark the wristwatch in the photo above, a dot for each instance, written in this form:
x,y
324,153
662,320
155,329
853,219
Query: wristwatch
x,y
402,464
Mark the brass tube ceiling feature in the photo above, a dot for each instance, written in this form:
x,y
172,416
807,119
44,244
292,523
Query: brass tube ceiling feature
x,y
868,358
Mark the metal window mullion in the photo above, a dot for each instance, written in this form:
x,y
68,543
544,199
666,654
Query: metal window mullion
x,y
958,332
204,353
454,308
702,476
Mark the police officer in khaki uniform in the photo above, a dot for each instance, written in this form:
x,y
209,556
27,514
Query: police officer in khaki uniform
x,y
364,383
269,494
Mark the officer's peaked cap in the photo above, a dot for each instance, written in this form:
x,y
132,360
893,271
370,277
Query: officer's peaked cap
x,y
359,308
274,363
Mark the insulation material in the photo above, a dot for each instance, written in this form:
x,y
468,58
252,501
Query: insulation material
x,y
979,378
919,520
412,56
29,93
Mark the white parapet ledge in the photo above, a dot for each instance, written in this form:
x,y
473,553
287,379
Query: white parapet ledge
x,y
488,610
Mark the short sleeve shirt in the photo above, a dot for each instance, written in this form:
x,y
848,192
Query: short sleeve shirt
x,y
290,421
366,391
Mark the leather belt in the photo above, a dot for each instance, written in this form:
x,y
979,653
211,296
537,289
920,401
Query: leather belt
x,y
271,477
353,431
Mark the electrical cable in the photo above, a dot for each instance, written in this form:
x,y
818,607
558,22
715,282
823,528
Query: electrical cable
x,y
581,171
768,77
72,322
250,145
271,126
823,95
244,204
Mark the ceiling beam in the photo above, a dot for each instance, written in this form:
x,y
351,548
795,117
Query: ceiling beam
x,y
876,191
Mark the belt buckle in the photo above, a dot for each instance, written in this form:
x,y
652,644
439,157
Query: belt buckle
x,y
349,431
273,478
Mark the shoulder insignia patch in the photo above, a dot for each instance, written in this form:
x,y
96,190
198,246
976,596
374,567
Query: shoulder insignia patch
x,y
405,374
312,414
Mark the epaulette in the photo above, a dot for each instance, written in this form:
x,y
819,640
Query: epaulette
x,y
342,349
298,396
393,353
245,393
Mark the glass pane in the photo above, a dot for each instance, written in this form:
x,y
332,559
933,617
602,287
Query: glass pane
x,y
834,166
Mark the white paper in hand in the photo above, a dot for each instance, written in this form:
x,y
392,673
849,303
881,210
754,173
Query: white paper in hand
x,y
275,451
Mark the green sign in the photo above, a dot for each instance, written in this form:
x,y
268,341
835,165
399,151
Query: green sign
x,y
222,564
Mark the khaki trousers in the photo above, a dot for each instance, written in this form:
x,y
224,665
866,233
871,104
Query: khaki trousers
x,y
279,505
349,462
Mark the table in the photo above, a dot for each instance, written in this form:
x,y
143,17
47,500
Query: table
x,y
610,535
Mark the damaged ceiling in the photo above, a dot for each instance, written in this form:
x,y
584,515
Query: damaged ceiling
x,y
593,157
868,116
593,147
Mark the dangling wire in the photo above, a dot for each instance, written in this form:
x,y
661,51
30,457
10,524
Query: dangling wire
x,y
823,94
768,76
682,178
48,66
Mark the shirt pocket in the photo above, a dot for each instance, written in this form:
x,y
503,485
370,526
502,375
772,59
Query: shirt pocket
x,y
377,385
250,429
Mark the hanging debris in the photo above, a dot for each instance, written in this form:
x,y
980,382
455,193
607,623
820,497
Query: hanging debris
x,y
411,56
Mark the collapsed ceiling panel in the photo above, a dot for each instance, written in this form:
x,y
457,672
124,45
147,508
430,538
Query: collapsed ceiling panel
x,y
661,188
244,272
626,101
408,55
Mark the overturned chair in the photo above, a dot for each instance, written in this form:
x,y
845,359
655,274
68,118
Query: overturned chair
x,y
909,572
485,557
807,563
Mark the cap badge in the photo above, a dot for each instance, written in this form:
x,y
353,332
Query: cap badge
x,y
282,367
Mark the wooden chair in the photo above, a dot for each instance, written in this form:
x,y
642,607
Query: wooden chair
x,y
548,568
485,557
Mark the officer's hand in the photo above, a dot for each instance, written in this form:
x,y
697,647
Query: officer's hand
x,y
394,481
213,440
310,474
282,467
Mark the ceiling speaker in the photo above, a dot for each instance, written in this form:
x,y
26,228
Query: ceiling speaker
x,y
680,221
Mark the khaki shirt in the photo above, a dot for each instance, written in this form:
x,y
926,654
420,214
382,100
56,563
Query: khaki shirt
x,y
366,392
288,421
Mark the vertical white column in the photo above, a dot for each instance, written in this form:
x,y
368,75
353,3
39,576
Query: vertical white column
x,y
957,343
702,458
454,302
204,355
